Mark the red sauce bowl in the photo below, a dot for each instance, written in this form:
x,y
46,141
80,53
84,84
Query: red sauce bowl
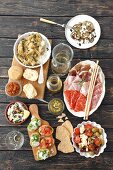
x,y
6,110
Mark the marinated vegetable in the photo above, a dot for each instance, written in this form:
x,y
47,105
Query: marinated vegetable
x,y
83,32
56,106
30,49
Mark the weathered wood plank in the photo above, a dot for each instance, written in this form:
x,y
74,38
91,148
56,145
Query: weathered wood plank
x,y
103,116
13,160
5,130
108,99
11,26
104,48
106,65
56,8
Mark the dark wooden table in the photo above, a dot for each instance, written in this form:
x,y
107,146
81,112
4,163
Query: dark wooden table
x,y
20,16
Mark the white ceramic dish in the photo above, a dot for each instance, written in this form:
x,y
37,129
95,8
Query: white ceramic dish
x,y
102,78
86,154
76,20
44,57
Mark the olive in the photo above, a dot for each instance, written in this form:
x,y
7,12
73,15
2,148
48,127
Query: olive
x,y
89,139
100,131
95,130
92,141
97,134
102,141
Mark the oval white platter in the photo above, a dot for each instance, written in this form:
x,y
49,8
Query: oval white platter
x,y
102,78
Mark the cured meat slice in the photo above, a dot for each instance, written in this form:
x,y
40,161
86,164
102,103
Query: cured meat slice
x,y
80,104
84,89
71,79
96,95
68,94
74,99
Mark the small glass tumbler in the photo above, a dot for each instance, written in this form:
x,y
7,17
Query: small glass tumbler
x,y
62,56
54,83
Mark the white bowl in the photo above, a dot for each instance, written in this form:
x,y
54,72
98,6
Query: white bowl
x,y
44,57
86,154
102,78
76,20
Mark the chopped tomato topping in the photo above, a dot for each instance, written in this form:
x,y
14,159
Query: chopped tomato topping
x,y
77,131
46,142
45,130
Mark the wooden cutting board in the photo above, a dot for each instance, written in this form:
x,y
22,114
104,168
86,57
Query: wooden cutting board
x,y
39,87
33,108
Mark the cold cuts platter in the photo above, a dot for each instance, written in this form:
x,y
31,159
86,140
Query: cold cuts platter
x,y
76,88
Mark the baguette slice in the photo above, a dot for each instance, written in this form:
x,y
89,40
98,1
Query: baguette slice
x,y
30,74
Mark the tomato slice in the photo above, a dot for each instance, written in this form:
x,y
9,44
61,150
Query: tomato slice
x,y
45,130
97,141
89,133
77,139
80,104
91,147
77,131
88,126
46,142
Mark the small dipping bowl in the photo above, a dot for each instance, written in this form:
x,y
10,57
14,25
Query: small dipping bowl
x,y
8,85
56,106
6,110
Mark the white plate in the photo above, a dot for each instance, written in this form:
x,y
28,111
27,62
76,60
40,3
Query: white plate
x,y
87,155
102,78
76,20
44,57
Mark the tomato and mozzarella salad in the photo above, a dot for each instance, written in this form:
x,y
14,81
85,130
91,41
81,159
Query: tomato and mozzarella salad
x,y
88,138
